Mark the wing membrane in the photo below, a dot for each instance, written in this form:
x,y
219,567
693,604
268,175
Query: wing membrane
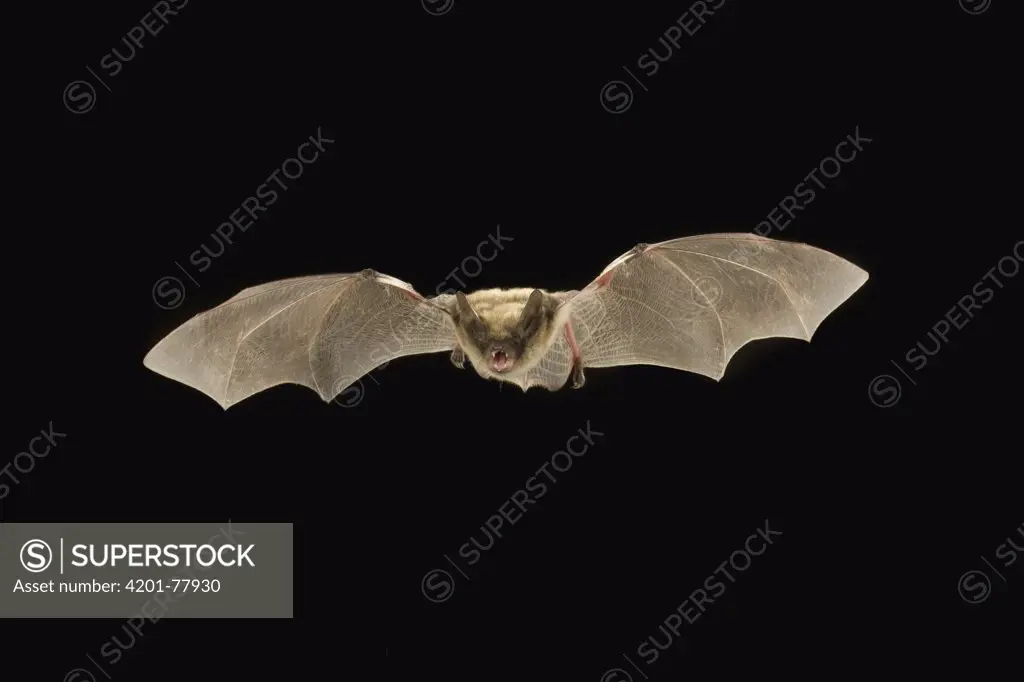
x,y
692,303
322,332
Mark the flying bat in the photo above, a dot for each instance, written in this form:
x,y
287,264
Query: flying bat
x,y
687,304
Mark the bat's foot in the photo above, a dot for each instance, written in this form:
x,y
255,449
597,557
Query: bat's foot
x,y
369,273
458,358
640,248
578,379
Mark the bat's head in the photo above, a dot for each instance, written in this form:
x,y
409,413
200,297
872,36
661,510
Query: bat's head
x,y
500,332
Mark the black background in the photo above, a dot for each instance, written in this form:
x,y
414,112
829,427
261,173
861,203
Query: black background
x,y
445,128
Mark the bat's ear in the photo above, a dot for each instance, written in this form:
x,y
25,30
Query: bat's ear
x,y
465,309
533,307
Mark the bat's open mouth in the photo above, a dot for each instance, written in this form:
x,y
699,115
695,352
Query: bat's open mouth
x,y
499,360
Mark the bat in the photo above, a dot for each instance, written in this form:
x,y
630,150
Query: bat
x,y
688,304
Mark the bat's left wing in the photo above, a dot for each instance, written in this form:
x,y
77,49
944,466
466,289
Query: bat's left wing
x,y
322,332
691,303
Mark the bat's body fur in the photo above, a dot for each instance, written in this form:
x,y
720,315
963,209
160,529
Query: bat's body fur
x,y
505,332
687,304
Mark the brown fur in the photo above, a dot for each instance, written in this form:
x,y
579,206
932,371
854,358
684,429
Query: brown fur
x,y
497,321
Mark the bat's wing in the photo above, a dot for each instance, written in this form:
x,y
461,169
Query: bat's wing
x,y
322,332
691,303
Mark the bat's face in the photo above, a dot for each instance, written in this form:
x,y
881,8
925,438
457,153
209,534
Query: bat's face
x,y
503,332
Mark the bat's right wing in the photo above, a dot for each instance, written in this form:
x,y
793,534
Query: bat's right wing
x,y
322,332
691,303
